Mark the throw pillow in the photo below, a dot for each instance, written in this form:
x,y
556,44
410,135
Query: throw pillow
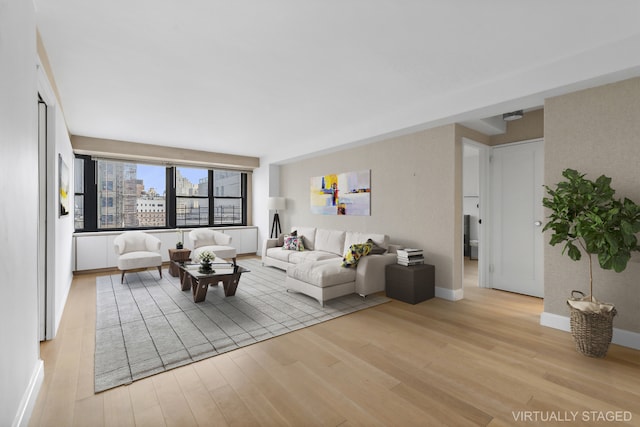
x,y
375,249
293,243
280,240
354,253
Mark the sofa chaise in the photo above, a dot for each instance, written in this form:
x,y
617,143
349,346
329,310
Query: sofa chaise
x,y
317,270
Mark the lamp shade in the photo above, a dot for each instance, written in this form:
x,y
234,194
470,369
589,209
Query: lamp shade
x,y
277,203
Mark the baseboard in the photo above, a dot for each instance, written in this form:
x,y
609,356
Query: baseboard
x,y
28,401
449,294
620,336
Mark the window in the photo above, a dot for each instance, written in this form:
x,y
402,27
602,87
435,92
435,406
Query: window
x,y
192,197
120,195
228,201
124,189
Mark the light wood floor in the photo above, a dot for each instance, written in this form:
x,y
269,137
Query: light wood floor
x,y
477,362
470,278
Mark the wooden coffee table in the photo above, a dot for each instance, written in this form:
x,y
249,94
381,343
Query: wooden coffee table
x,y
191,277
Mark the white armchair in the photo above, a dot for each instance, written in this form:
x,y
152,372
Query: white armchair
x,y
137,250
204,239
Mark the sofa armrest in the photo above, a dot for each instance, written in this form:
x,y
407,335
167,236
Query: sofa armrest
x,y
268,244
393,248
370,273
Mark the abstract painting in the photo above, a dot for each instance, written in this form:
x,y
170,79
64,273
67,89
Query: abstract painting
x,y
63,183
346,193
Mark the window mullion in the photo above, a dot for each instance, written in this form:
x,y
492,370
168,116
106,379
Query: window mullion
x,y
211,199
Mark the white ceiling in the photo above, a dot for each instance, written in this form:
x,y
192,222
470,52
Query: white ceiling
x,y
279,79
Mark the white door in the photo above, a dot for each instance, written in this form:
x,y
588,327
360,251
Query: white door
x,y
516,176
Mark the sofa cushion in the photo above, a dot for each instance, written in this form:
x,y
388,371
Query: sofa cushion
x,y
306,256
308,236
353,237
279,253
322,273
329,241
293,243
355,252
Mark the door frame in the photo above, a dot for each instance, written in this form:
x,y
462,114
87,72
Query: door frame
x,y
484,194
47,214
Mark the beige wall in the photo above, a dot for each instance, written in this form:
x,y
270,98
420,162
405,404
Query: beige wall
x,y
134,151
596,131
413,195
530,126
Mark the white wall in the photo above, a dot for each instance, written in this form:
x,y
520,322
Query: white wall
x,y
260,195
60,252
20,364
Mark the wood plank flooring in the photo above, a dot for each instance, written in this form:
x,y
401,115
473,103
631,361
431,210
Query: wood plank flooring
x,y
482,361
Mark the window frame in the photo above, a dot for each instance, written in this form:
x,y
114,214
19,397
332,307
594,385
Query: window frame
x,y
91,208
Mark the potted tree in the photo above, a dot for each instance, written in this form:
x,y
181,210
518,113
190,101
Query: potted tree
x,y
586,217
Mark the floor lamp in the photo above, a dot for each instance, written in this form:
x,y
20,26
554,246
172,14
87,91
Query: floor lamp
x,y
275,204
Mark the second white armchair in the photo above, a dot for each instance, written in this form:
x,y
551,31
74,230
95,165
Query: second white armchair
x,y
204,239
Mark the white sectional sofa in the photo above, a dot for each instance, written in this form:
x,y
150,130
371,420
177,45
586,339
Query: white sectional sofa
x,y
317,271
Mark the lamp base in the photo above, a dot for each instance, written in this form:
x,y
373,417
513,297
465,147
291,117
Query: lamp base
x,y
275,227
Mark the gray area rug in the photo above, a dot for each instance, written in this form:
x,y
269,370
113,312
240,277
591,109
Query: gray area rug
x,y
148,325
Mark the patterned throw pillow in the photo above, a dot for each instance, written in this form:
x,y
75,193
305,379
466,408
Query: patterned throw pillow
x,y
293,243
354,253
375,249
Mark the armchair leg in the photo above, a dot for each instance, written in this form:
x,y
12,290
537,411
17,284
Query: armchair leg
x,y
122,277
160,270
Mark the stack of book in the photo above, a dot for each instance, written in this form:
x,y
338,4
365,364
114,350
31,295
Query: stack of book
x,y
409,256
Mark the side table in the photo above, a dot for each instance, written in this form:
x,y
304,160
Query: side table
x,y
175,256
412,284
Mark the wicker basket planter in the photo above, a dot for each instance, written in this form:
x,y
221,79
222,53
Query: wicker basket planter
x,y
591,325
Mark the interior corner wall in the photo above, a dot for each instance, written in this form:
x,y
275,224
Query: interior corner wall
x,y
413,195
20,365
594,131
60,251
59,239
259,194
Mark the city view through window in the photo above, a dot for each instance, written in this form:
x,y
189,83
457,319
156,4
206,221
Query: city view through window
x,y
134,195
131,195
192,197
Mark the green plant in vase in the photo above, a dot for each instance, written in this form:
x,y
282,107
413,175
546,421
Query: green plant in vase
x,y
179,244
586,217
206,258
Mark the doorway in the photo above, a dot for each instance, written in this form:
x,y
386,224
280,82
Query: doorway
x,y
474,168
42,218
470,212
